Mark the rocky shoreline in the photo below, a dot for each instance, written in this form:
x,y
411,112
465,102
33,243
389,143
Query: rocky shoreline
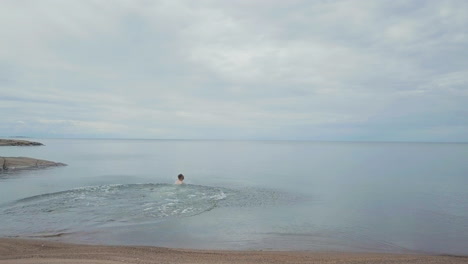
x,y
23,163
18,142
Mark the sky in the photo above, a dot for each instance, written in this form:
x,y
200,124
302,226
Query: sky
x,y
249,69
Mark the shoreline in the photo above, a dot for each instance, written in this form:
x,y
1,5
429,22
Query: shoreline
x,y
22,251
19,142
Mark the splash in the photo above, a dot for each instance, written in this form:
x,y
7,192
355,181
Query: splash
x,y
121,204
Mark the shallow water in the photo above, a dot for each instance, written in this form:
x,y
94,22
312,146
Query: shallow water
x,y
379,197
122,205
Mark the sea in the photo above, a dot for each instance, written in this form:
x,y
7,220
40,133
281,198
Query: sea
x,y
243,195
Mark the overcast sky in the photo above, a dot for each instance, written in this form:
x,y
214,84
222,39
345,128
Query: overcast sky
x,y
300,70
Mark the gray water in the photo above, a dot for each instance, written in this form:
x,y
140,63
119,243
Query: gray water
x,y
282,195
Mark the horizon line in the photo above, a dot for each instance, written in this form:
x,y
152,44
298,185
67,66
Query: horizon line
x,y
220,139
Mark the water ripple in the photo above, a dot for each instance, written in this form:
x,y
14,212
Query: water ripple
x,y
122,204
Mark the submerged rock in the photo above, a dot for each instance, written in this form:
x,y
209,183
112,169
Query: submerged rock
x,y
24,163
18,142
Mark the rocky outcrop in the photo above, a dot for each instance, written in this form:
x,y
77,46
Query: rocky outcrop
x,y
18,142
24,163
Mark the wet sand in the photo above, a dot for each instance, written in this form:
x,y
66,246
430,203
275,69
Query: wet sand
x,y
39,251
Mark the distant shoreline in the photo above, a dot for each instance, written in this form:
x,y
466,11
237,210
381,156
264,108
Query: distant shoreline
x,y
19,142
23,163
22,251
257,140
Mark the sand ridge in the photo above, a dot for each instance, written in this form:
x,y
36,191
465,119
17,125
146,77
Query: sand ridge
x,y
20,251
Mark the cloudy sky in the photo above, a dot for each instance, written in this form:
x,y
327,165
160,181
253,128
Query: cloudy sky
x,y
249,69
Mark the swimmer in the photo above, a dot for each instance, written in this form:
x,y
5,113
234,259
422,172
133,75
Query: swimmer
x,y
180,179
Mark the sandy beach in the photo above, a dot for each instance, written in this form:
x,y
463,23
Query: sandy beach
x,y
21,251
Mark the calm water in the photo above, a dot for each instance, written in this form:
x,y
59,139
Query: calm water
x,y
378,197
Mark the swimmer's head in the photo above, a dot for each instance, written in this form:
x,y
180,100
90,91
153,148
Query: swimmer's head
x,y
180,177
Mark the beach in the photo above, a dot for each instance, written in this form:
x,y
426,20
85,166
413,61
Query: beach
x,y
19,251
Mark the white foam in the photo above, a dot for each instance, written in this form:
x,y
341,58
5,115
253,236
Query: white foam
x,y
123,203
219,196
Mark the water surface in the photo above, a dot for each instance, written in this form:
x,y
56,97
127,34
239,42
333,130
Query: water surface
x,y
378,197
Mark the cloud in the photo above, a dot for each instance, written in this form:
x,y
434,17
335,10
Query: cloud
x,y
321,70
